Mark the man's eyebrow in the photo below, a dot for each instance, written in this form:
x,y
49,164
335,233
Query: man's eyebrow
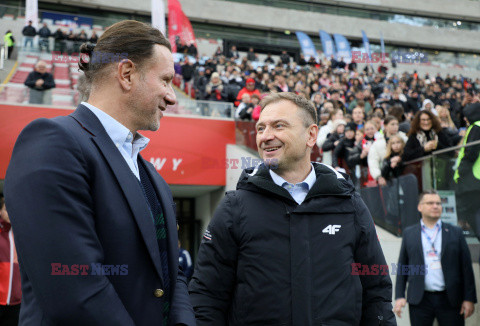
x,y
272,122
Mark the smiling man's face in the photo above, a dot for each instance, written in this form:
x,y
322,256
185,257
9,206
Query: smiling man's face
x,y
282,136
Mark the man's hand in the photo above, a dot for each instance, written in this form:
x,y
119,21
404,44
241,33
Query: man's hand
x,y
39,82
467,309
399,304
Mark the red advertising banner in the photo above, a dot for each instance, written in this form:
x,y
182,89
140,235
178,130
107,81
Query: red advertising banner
x,y
185,151
179,25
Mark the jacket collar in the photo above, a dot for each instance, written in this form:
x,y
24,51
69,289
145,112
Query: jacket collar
x,y
329,182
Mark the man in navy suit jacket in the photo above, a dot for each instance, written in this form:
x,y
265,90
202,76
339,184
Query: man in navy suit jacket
x,y
435,261
94,222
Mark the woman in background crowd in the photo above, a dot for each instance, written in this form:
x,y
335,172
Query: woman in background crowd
x,y
425,136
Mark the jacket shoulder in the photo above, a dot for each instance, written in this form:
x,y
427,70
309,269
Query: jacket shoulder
x,y
410,229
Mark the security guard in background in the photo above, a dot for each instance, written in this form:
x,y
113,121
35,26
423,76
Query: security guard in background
x,y
467,175
10,42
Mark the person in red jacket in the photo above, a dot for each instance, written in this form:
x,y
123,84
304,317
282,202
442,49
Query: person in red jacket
x,y
248,89
10,288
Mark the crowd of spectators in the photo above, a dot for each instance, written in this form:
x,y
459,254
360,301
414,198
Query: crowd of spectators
x,y
370,121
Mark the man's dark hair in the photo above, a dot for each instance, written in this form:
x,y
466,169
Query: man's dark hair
x,y
128,39
306,106
426,192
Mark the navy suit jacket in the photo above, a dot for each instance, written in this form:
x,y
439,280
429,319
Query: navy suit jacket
x,y
456,266
74,201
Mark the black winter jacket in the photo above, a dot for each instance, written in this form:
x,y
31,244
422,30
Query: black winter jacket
x,y
265,260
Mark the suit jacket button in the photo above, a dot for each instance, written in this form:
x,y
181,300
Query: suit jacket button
x,y
158,293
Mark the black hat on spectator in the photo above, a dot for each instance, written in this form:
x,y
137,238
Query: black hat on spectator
x,y
350,126
472,112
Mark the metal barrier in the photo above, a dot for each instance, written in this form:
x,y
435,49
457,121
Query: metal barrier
x,y
394,207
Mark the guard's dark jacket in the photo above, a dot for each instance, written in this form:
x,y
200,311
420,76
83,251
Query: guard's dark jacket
x,y
265,260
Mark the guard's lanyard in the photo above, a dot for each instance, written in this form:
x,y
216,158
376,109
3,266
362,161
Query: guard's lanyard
x,y
437,228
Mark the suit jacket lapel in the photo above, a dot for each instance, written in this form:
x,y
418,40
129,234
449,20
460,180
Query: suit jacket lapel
x,y
126,179
163,193
418,242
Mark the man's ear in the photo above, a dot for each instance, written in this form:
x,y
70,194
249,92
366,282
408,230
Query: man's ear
x,y
124,73
312,135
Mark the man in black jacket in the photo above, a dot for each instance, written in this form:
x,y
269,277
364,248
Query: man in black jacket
x,y
38,81
44,34
435,261
28,33
294,244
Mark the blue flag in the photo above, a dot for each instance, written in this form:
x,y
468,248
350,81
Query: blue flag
x,y
366,45
343,48
327,44
306,44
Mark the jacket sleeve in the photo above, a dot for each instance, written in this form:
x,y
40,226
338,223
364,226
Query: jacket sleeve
x,y
377,289
213,281
47,191
443,140
469,290
386,169
374,161
322,136
401,282
329,145
49,82
182,312
30,82
353,157
413,149
338,153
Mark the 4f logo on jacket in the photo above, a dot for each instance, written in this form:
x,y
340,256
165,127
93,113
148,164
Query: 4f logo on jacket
x,y
332,229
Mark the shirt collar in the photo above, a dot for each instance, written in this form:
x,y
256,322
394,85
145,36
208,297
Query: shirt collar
x,y
309,180
439,223
117,132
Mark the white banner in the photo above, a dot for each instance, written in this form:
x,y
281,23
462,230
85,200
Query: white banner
x,y
31,12
158,15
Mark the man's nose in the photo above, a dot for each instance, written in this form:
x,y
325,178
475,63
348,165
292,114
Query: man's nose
x,y
266,135
170,97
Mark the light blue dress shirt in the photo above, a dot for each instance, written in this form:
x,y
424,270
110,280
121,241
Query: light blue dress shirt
x,y
434,279
298,191
122,137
